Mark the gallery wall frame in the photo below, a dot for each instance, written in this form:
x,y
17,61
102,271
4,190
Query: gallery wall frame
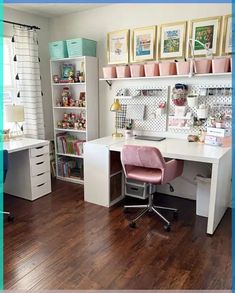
x,y
144,44
207,31
227,35
118,47
172,40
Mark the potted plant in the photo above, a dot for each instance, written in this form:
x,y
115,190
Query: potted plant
x,y
217,120
128,131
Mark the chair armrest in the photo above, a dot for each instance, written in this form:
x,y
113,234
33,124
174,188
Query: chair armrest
x,y
173,169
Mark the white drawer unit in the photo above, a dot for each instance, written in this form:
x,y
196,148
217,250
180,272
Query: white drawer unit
x,y
29,169
40,171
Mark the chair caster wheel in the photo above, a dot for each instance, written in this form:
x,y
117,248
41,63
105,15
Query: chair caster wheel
x,y
132,225
10,218
167,228
175,215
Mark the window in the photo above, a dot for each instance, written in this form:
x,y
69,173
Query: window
x,y
9,72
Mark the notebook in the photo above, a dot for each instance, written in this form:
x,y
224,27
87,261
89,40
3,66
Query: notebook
x,y
153,138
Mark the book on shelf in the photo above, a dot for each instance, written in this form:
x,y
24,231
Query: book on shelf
x,y
72,168
69,144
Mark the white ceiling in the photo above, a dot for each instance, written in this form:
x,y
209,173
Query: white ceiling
x,y
52,9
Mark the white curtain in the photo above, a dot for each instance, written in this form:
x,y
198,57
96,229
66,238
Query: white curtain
x,y
25,44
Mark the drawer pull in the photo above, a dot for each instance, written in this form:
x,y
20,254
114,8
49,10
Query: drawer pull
x,y
38,148
40,174
40,184
134,188
39,163
38,156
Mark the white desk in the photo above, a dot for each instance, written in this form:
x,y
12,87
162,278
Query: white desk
x,y
99,170
28,173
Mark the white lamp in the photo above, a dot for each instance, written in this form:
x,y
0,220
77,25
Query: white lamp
x,y
15,114
191,43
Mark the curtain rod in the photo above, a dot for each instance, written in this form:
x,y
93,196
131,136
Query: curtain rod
x,y
21,24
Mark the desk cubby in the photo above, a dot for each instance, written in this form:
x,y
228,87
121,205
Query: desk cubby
x,y
116,177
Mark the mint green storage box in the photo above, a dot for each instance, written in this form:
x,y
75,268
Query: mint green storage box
x,y
58,50
81,47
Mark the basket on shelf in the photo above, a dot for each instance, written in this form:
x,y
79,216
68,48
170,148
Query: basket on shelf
x,y
81,47
58,50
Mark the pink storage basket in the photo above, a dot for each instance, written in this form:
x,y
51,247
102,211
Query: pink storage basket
x,y
203,66
123,71
137,70
167,68
231,64
151,69
109,72
220,65
183,67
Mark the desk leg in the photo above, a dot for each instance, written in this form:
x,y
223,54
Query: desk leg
x,y
220,193
96,174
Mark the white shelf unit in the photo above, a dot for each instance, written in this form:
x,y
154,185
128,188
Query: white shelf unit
x,y
229,74
90,87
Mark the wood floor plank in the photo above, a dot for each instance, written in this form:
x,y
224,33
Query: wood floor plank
x,y
61,242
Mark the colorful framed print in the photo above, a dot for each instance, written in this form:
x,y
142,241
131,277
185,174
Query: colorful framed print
x,y
144,44
227,35
206,31
172,40
118,47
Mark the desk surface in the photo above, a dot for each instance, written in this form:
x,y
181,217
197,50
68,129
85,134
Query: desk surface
x,y
171,148
20,144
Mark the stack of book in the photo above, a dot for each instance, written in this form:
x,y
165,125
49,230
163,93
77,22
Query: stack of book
x,y
72,168
218,136
68,144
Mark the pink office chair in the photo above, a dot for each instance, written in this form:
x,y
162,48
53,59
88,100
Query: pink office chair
x,y
147,164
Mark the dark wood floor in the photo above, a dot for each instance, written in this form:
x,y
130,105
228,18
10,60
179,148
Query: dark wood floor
x,y
61,242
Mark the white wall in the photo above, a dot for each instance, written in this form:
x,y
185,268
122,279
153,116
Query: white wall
x,y
43,37
96,23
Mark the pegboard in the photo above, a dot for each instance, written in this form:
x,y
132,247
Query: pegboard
x,y
218,98
151,97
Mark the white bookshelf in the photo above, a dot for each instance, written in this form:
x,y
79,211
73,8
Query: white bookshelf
x,y
90,87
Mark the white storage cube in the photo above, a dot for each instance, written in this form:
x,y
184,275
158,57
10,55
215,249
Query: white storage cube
x,y
203,196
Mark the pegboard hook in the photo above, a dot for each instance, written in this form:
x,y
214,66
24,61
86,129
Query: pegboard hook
x,y
109,82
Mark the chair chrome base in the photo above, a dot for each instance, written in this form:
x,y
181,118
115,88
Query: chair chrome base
x,y
150,207
10,218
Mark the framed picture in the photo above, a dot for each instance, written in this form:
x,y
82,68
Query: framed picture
x,y
206,31
144,44
172,40
118,47
227,35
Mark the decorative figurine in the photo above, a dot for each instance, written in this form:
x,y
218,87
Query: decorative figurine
x,y
65,97
59,124
77,103
56,78
58,103
71,77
